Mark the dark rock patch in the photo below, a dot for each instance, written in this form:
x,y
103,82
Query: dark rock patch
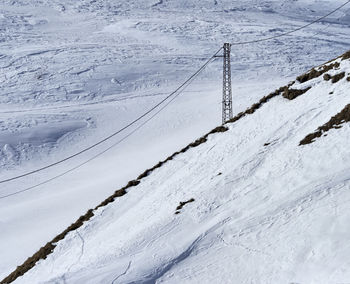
x,y
182,204
327,77
346,55
291,94
313,73
334,78
338,77
335,123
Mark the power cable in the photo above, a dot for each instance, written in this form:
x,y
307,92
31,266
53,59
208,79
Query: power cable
x,y
180,88
171,94
292,31
104,151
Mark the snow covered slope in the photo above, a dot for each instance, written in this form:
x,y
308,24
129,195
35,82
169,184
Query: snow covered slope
x,y
262,208
72,72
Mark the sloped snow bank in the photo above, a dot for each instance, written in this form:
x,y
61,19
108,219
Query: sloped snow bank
x,y
266,210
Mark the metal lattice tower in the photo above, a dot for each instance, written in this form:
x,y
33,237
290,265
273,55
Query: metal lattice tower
x,y
227,90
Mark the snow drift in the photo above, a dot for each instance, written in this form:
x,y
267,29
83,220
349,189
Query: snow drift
x,y
255,206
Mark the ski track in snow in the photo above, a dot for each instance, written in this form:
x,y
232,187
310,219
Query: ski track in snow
x,y
125,272
72,72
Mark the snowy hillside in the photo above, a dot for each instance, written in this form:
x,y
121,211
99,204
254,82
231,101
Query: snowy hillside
x,y
255,206
73,72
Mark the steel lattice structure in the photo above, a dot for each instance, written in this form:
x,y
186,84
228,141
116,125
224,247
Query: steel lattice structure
x,y
227,90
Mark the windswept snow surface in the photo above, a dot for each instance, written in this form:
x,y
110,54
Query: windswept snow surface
x,y
73,72
276,213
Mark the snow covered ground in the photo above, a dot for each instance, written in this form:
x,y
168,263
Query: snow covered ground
x,y
72,72
275,213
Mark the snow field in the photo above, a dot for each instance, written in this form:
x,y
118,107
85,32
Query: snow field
x,y
71,72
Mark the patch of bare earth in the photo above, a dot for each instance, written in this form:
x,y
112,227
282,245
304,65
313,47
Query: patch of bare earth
x,y
182,204
336,78
334,123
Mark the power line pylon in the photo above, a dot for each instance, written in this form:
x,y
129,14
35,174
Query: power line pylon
x,y
227,89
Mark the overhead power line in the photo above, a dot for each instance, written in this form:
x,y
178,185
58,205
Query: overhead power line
x,y
292,31
104,151
170,95
120,130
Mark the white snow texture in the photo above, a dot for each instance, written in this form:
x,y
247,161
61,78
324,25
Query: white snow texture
x,y
265,211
